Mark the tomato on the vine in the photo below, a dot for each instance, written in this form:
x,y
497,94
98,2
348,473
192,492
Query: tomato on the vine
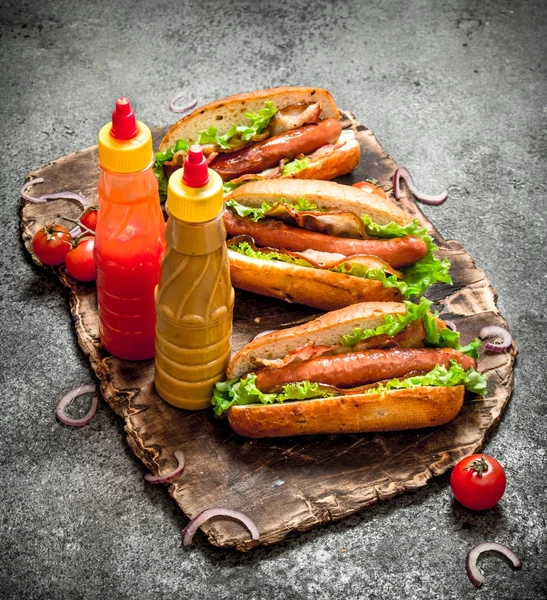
x,y
51,244
89,218
79,261
371,188
478,482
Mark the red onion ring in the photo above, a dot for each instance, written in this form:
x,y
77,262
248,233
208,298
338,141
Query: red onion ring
x,y
476,577
499,332
180,109
209,513
69,397
402,173
168,477
45,197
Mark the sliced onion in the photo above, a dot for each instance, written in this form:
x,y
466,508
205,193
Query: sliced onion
x,y
451,325
179,455
197,521
402,173
476,577
88,388
499,332
180,109
45,197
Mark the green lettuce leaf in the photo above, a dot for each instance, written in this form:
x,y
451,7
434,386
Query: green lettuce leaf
x,y
244,391
247,250
295,165
257,213
440,376
390,230
258,123
435,338
259,120
421,275
162,157
230,186
254,213
304,204
393,324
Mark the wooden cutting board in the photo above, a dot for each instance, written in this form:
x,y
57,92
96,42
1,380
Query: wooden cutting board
x,y
291,483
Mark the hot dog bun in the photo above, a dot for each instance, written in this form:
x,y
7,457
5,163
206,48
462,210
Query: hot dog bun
x,y
388,411
231,111
319,288
327,195
411,407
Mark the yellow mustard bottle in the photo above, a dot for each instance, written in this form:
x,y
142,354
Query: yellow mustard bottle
x,y
194,299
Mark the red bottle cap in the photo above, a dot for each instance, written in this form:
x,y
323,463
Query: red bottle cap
x,y
124,123
195,173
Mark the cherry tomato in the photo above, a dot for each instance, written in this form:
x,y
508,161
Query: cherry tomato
x,y
51,244
371,188
478,482
79,261
89,218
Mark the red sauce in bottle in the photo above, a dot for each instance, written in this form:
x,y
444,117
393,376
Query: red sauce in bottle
x,y
129,238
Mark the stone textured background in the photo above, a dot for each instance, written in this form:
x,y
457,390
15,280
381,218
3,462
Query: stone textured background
x,y
457,92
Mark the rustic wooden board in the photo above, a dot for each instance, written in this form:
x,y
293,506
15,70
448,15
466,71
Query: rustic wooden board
x,y
292,483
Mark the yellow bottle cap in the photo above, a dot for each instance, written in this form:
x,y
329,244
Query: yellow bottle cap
x,y
195,204
125,144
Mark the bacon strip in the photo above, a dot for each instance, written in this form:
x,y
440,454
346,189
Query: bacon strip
x,y
337,223
305,352
294,116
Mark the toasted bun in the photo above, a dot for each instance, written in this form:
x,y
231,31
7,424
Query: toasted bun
x,y
395,410
326,194
231,111
319,288
326,330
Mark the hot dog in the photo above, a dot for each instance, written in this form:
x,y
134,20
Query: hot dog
x,y
326,245
288,132
318,378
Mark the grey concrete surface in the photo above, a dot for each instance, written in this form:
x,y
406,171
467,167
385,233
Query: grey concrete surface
x,y
456,91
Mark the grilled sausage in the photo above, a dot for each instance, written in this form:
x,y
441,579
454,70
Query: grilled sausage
x,y
271,151
397,252
358,368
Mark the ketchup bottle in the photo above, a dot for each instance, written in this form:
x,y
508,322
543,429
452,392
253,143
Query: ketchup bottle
x,y
195,298
129,238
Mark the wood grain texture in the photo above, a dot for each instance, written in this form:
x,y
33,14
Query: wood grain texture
x,y
289,484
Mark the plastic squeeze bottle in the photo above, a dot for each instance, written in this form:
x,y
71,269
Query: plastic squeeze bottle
x,y
129,238
195,299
